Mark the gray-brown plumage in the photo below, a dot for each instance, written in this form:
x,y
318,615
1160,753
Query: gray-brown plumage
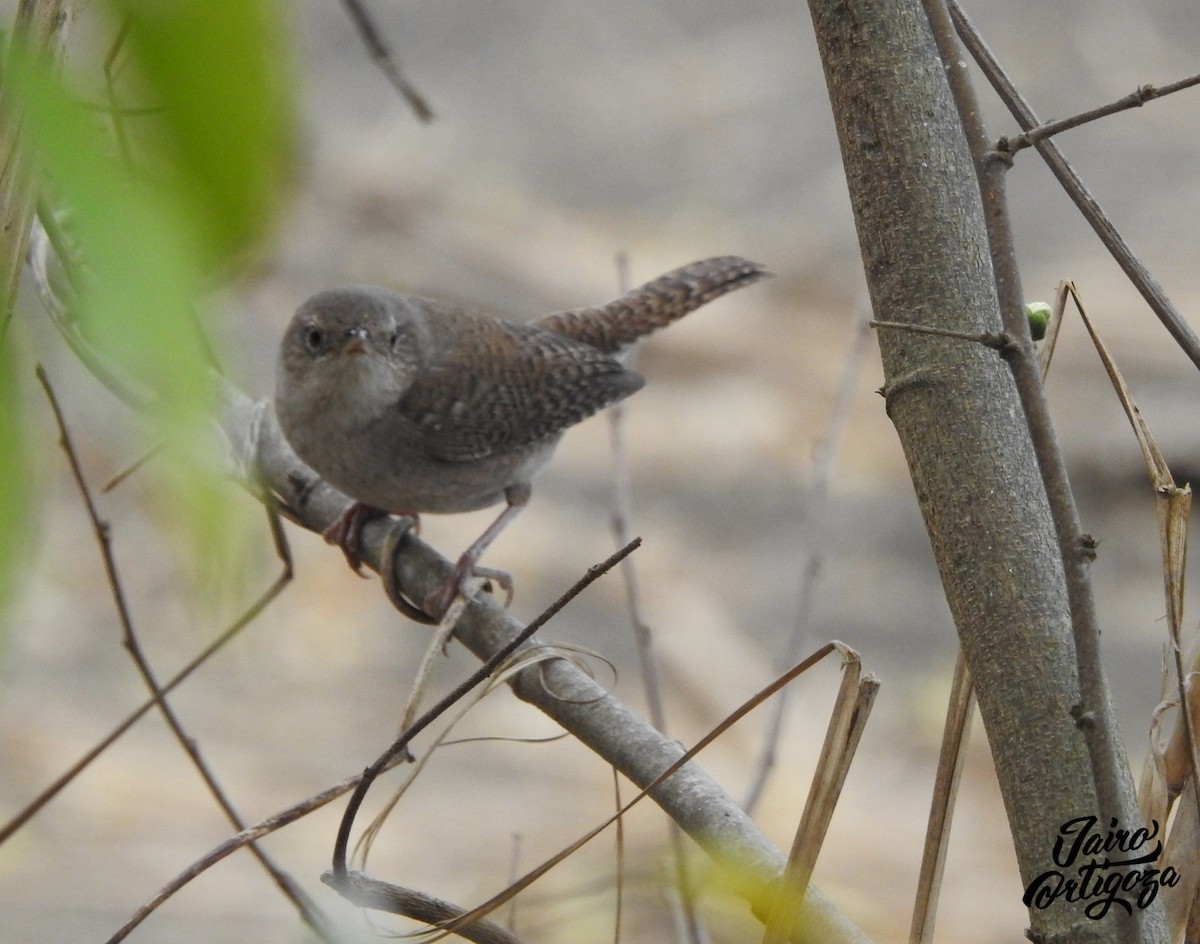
x,y
410,405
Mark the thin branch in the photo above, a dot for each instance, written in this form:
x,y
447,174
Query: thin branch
x,y
807,932
50,792
231,845
248,616
382,56
622,515
1135,99
1093,714
400,745
951,760
997,340
619,850
340,878
814,528
307,908
1174,506
367,892
821,928
643,637
1137,273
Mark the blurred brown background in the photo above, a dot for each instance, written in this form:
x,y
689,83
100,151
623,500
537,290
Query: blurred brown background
x,y
568,133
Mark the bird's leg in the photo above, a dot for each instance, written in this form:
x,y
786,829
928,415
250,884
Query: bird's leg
x,y
346,532
467,567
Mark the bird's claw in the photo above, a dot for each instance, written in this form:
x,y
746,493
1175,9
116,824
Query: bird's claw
x,y
459,582
346,531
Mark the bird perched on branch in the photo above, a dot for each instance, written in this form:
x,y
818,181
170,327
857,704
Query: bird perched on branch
x,y
409,405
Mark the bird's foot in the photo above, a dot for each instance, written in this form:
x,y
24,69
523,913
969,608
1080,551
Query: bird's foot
x,y
346,531
459,582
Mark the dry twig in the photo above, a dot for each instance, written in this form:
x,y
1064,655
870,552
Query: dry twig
x,y
308,910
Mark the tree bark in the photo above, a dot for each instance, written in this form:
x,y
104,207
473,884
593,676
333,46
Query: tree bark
x,y
921,230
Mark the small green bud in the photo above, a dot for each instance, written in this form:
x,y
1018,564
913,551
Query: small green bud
x,y
1038,314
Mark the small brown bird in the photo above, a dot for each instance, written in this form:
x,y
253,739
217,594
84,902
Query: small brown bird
x,y
409,405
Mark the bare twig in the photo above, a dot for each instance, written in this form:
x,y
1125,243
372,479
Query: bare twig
x,y
392,899
307,908
951,761
813,527
231,845
997,340
1138,274
622,515
1173,504
686,918
249,835
250,614
671,771
400,745
382,56
1135,99
856,695
619,849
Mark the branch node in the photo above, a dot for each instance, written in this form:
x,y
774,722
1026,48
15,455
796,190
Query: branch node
x,y
1084,720
1002,154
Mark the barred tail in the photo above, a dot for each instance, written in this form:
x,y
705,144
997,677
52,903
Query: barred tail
x,y
656,304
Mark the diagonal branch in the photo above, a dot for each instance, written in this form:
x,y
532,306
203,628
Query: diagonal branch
x,y
311,914
259,456
561,690
1135,99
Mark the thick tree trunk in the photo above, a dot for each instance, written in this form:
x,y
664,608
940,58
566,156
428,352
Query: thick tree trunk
x,y
924,244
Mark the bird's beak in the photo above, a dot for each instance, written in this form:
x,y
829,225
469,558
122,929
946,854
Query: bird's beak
x,y
355,341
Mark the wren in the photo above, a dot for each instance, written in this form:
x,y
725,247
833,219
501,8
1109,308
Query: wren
x,y
409,405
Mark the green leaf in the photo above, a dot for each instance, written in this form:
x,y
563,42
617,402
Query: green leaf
x,y
219,70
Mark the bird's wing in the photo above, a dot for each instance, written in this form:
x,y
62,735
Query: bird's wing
x,y
502,386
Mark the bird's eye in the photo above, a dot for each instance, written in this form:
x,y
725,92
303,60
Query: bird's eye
x,y
401,338
314,338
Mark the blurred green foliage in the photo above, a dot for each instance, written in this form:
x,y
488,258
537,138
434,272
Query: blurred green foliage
x,y
196,185
16,474
219,71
